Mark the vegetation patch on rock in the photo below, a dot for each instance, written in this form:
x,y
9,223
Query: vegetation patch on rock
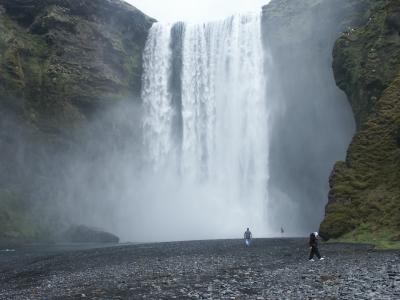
x,y
364,200
61,62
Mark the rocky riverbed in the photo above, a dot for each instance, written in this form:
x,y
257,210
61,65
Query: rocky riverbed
x,y
220,269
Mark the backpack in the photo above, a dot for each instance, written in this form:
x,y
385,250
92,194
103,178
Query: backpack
x,y
312,240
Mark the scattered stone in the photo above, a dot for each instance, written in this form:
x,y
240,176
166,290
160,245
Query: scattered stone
x,y
165,271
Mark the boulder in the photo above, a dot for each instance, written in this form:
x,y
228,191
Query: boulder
x,y
85,234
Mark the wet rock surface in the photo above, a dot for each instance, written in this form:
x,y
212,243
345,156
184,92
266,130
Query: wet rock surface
x,y
222,269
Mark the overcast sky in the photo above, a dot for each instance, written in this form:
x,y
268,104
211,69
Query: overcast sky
x,y
195,10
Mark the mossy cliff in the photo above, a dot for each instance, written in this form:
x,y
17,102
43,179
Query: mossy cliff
x,y
307,108
65,58
61,61
364,199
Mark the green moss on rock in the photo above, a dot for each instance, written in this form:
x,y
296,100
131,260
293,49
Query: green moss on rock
x,y
367,233
364,200
61,62
15,221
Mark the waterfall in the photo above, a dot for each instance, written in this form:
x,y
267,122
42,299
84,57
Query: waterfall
x,y
206,117
156,95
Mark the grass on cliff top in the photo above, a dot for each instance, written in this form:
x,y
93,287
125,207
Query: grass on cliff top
x,y
381,239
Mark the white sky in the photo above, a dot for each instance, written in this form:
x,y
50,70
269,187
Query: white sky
x,y
195,10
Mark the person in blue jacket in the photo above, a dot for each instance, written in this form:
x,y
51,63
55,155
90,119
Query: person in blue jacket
x,y
247,237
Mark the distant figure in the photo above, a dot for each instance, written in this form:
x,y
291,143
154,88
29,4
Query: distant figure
x,y
282,231
313,243
247,237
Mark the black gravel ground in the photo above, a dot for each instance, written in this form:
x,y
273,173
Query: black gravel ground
x,y
221,269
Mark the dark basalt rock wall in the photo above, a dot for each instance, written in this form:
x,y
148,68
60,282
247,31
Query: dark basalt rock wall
x,y
62,63
364,199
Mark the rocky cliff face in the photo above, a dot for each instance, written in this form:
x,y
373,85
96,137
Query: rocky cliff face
x,y
64,62
313,122
61,64
67,58
364,199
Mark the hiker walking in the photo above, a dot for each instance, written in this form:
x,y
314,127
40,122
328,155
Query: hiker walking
x,y
313,243
247,237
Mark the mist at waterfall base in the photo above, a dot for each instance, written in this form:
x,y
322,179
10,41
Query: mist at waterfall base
x,y
206,125
231,132
191,160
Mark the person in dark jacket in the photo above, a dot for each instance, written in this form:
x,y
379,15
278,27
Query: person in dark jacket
x,y
247,237
313,243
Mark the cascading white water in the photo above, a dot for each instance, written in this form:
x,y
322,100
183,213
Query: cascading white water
x,y
220,163
156,96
